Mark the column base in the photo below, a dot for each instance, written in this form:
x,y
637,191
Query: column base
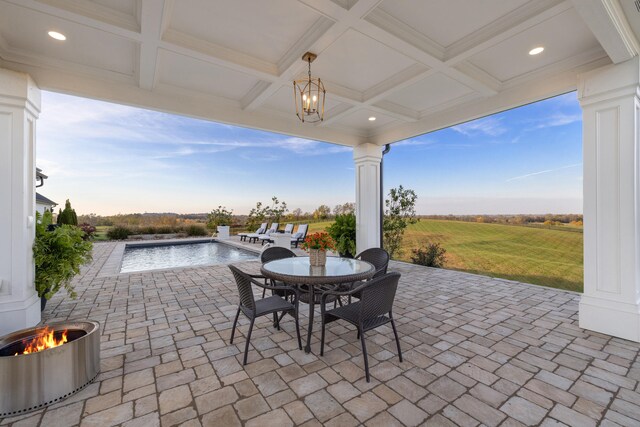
x,y
16,315
615,318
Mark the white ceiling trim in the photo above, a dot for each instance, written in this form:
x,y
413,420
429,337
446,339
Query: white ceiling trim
x,y
179,101
150,30
607,21
511,97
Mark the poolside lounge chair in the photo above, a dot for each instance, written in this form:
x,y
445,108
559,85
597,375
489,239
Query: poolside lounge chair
x,y
261,230
300,235
253,237
267,237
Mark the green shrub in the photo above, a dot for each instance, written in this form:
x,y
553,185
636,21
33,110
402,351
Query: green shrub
x,y
119,232
432,255
343,231
399,213
220,216
58,255
68,215
195,230
166,229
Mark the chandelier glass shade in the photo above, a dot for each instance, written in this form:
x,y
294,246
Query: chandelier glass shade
x,y
309,94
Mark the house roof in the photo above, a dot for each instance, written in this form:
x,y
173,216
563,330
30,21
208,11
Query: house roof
x,y
40,175
44,201
415,66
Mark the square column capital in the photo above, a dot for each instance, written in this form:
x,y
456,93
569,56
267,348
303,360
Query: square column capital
x,y
19,90
367,152
609,82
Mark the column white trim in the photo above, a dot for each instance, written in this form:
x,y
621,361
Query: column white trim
x,y
19,109
610,100
367,165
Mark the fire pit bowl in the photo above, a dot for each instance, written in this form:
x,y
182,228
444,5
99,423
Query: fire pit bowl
x,y
29,382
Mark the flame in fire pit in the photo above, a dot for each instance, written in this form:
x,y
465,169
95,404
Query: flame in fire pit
x,y
44,340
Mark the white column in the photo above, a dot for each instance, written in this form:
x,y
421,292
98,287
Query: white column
x,y
367,159
611,135
19,108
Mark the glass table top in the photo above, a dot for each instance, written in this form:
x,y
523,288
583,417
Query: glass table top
x,y
299,266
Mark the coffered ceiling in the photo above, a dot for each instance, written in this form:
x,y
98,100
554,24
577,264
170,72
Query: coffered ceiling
x,y
415,66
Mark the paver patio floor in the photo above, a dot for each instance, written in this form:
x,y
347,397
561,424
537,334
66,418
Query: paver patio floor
x,y
477,351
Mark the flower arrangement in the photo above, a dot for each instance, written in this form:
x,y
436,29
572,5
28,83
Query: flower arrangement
x,y
319,241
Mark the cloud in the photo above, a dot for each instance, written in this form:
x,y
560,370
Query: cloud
x,y
413,142
515,178
71,119
491,126
558,119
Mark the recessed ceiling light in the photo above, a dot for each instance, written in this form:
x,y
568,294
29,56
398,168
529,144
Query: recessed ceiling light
x,y
372,119
56,35
536,50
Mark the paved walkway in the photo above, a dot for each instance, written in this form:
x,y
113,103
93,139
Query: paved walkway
x,y
478,351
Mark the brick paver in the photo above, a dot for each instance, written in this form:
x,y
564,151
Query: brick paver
x,y
477,350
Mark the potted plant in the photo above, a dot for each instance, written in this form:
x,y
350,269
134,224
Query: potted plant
x,y
220,219
58,255
317,244
343,232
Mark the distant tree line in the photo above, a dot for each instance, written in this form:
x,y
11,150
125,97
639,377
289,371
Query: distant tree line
x,y
547,219
276,211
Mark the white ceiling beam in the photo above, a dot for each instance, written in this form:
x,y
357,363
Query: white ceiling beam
x,y
290,64
337,113
184,44
154,17
326,30
418,54
178,101
397,82
555,84
607,21
394,110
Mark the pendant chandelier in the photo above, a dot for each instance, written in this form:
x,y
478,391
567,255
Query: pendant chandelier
x,y
309,95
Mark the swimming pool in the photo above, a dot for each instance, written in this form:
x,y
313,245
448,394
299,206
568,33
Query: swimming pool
x,y
153,257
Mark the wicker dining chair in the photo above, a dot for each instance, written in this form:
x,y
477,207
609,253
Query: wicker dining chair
x,y
274,253
376,256
253,308
380,260
374,309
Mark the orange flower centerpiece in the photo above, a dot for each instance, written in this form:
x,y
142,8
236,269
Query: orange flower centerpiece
x,y
317,244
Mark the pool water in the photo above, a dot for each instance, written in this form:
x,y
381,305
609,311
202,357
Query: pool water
x,y
181,255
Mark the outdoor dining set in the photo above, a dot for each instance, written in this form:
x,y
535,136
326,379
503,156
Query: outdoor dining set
x,y
355,290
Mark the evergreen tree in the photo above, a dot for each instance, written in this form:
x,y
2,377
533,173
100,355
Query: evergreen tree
x,y
68,215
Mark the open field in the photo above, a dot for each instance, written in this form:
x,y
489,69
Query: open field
x,y
549,257
532,255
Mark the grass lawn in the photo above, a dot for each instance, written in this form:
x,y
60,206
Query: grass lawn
x,y
532,255
101,233
549,257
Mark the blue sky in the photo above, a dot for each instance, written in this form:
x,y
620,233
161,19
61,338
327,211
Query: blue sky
x,y
109,159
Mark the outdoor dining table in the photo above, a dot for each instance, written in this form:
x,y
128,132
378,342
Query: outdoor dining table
x,y
298,271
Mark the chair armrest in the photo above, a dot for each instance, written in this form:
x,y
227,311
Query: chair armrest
x,y
351,291
272,287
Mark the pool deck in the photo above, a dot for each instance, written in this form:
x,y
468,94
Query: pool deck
x,y
477,351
